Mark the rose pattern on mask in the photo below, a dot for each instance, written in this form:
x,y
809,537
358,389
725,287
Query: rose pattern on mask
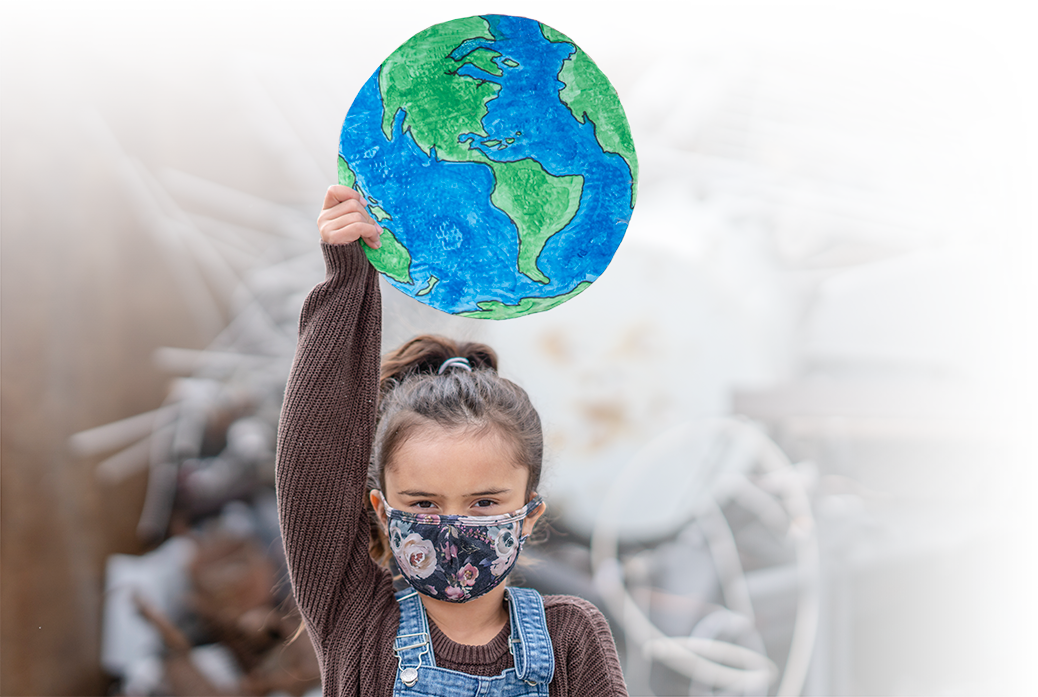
x,y
507,547
416,556
456,558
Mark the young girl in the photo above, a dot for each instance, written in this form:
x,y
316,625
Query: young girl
x,y
448,454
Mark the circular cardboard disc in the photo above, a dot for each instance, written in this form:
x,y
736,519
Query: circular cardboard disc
x,y
499,161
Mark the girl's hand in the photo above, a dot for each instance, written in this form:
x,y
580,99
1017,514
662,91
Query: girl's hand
x,y
345,218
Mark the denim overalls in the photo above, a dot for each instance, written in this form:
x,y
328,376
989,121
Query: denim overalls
x,y
529,643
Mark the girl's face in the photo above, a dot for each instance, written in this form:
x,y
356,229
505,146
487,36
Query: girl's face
x,y
456,473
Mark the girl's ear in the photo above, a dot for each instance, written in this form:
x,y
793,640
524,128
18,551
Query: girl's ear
x,y
380,508
533,516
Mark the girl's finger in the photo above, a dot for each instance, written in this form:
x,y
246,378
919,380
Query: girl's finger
x,y
337,194
341,221
345,219
373,236
344,208
351,232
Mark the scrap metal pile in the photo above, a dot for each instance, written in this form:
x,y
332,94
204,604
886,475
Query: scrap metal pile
x,y
209,610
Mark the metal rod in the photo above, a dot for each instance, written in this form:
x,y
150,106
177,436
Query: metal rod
x,y
257,215
189,361
201,304
119,434
300,164
209,262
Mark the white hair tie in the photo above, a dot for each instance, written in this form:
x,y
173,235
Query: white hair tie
x,y
456,362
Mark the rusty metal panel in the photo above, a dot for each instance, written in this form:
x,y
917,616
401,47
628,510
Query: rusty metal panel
x,y
85,298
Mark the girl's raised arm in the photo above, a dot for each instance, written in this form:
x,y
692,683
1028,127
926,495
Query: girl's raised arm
x,y
327,425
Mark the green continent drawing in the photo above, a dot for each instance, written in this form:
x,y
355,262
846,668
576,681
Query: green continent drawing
x,y
492,309
539,204
392,258
585,95
346,175
438,110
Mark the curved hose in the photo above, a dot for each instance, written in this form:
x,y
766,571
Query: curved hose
x,y
710,661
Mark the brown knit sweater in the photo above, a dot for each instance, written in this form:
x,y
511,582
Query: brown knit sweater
x,y
324,444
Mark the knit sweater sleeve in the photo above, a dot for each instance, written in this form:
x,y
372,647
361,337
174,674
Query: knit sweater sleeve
x,y
324,444
585,653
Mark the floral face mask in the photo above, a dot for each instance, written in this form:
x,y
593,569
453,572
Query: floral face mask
x,y
456,557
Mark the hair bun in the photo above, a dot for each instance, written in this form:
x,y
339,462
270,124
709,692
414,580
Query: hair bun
x,y
426,354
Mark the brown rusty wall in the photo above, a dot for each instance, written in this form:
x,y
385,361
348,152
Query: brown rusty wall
x,y
85,297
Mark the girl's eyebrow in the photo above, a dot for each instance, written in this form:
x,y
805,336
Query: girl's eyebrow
x,y
412,492
491,492
426,494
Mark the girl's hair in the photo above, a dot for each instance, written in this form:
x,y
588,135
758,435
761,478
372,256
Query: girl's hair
x,y
413,394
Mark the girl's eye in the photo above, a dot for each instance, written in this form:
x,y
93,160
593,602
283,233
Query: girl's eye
x,y
422,504
485,503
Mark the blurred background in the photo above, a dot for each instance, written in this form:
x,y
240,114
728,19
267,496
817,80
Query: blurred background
x,y
790,430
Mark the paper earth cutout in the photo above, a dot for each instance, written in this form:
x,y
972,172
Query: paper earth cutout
x,y
499,161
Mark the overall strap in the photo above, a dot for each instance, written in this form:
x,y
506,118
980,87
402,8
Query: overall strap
x,y
412,646
529,642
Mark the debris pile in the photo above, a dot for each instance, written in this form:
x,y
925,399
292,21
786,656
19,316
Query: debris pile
x,y
208,611
206,614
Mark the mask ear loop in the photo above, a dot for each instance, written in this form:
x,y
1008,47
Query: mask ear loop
x,y
522,523
382,498
539,502
386,509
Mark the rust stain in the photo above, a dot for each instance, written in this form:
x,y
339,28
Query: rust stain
x,y
556,440
555,345
639,341
606,420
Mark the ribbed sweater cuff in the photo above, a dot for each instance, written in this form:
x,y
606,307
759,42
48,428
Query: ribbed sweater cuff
x,y
344,258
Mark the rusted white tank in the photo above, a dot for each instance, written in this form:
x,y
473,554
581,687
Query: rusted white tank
x,y
690,306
